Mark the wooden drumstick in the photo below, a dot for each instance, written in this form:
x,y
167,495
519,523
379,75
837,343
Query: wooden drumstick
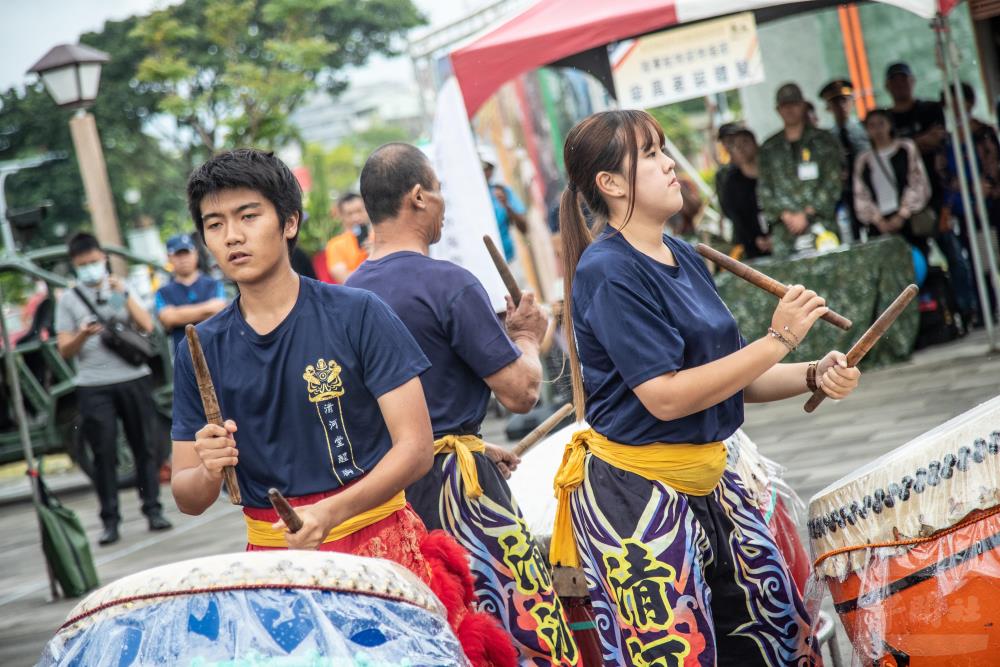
x,y
758,279
210,402
870,337
540,431
287,513
505,274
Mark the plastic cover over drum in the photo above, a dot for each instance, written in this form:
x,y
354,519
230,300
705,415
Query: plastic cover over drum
x,y
284,608
909,546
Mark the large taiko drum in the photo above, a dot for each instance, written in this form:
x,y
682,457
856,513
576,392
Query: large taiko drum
x,y
532,487
275,607
909,546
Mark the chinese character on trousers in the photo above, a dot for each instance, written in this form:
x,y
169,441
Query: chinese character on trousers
x,y
339,441
342,458
553,627
328,408
640,584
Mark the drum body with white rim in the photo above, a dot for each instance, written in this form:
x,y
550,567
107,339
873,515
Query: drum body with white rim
x,y
909,546
268,607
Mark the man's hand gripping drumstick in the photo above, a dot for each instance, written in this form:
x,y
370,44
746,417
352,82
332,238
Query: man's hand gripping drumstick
x,y
868,340
758,279
290,520
214,443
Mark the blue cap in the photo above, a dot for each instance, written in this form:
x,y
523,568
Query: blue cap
x,y
179,242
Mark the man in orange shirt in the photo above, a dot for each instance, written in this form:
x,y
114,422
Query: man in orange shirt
x,y
346,251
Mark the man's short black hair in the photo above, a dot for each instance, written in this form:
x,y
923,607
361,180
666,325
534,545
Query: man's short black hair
x,y
82,243
347,198
251,169
390,172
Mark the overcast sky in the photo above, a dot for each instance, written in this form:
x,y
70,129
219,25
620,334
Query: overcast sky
x,y
28,29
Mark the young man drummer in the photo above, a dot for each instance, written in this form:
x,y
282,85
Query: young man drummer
x,y
449,313
319,384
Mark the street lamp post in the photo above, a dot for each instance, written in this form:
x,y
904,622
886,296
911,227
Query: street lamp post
x,y
72,73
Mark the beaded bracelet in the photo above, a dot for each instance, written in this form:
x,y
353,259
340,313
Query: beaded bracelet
x,y
811,377
784,341
791,333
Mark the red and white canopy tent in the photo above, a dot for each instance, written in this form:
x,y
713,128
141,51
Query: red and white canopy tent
x,y
550,31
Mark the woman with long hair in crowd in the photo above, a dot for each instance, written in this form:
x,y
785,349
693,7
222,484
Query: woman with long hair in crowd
x,y
679,562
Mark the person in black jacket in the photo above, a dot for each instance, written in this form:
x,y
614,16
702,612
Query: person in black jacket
x,y
737,187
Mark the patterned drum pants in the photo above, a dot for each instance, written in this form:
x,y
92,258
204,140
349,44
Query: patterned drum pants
x,y
685,580
512,577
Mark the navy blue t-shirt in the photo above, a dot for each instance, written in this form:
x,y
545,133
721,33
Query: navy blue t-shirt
x,y
179,294
449,313
304,396
635,319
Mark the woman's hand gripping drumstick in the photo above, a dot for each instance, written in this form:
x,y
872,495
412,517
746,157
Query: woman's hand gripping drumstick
x,y
214,443
865,343
758,279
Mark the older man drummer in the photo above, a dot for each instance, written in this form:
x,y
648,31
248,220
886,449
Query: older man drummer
x,y
449,314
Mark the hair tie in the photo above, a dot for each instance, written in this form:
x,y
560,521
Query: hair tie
x,y
572,188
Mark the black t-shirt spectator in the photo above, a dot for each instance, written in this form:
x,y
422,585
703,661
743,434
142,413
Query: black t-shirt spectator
x,y
919,118
738,197
922,116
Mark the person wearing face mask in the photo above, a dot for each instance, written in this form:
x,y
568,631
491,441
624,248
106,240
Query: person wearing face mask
x,y
109,388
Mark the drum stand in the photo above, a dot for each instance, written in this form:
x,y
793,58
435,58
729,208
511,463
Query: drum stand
x,y
826,634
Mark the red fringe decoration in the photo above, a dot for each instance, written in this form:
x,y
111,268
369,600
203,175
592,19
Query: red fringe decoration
x,y
484,641
440,547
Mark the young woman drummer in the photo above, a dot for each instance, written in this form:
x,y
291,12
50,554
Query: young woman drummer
x,y
681,567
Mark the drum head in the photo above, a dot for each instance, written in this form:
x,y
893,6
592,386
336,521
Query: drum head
x,y
258,606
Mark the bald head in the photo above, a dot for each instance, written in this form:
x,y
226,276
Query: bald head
x,y
389,174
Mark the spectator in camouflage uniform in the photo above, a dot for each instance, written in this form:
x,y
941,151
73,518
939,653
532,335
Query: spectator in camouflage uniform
x,y
800,169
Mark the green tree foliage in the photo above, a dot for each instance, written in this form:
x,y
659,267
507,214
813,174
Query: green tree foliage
x,y
321,224
31,123
231,71
182,83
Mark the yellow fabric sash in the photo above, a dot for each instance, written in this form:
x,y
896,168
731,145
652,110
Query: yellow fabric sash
x,y
691,469
464,447
261,534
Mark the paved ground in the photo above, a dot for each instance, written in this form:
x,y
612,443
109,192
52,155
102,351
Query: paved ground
x,y
892,406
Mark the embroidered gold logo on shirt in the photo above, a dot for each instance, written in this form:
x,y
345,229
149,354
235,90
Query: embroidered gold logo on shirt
x,y
323,381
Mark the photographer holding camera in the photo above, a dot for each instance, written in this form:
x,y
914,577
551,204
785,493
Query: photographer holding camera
x,y
92,322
